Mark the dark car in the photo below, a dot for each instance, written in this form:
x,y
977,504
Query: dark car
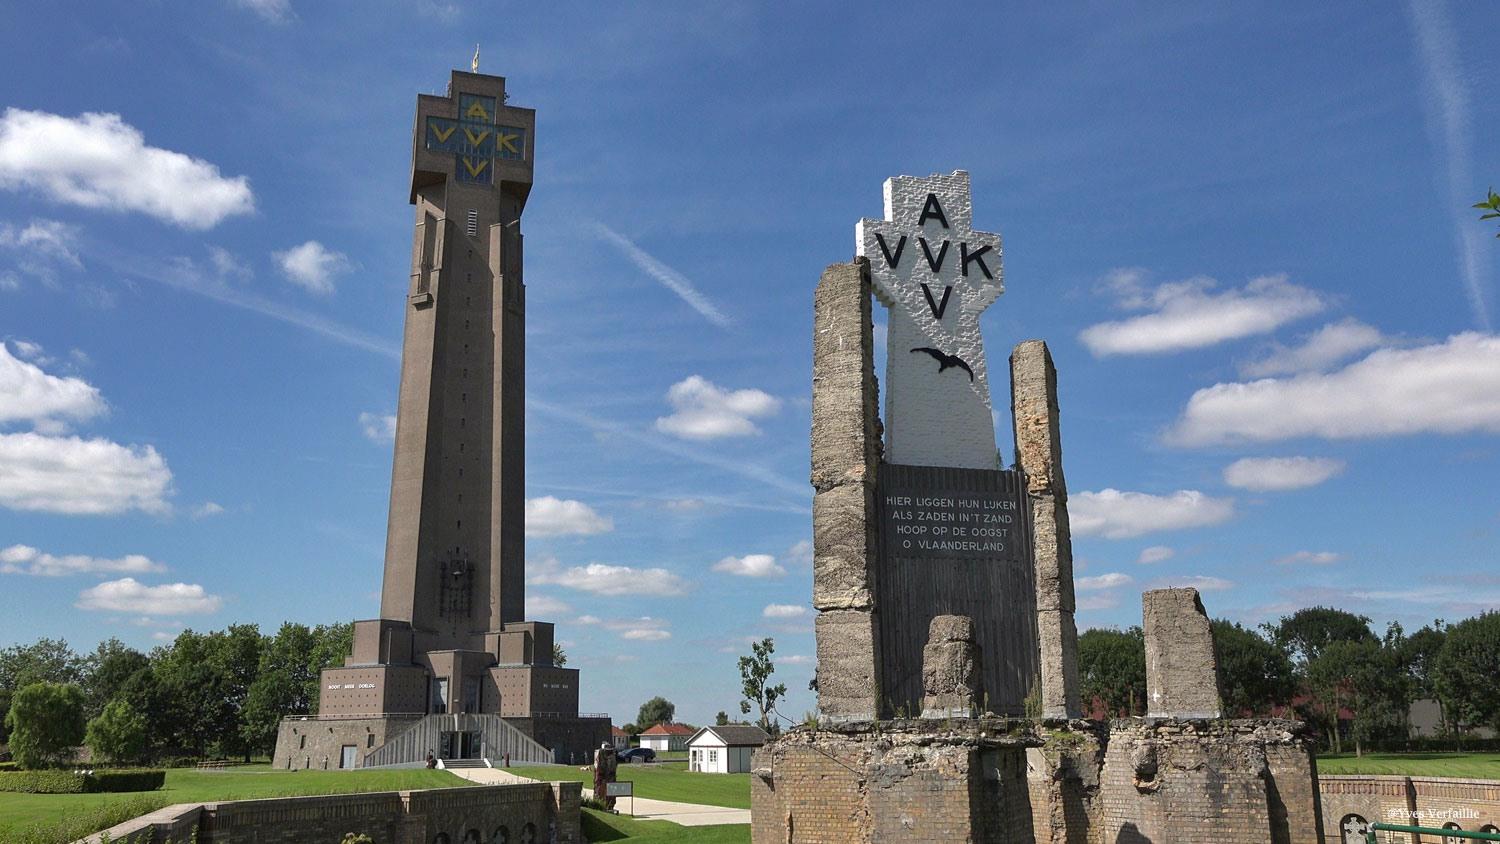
x,y
637,754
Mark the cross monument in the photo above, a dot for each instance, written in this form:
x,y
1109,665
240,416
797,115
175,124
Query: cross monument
x,y
935,275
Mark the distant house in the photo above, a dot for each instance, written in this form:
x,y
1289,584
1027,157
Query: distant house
x,y
619,738
724,750
667,737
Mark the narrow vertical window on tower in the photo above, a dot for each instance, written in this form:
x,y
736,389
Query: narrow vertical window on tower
x,y
473,227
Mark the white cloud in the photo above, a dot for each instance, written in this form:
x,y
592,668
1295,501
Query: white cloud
x,y
647,635
378,427
99,161
1188,315
703,411
23,559
784,611
1309,558
1114,514
130,596
29,394
1102,581
1446,388
795,659
750,565
665,275
1202,583
312,266
1329,345
1277,474
642,629
542,606
208,509
81,477
801,554
42,244
1447,111
549,516
1155,554
602,579
1098,601
274,11
9,281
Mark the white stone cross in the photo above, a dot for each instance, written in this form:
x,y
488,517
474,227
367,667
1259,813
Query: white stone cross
x,y
935,275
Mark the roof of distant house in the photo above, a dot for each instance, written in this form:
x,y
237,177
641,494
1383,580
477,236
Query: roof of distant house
x,y
616,731
736,735
668,730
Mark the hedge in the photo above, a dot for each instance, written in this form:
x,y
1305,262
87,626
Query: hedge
x,y
71,782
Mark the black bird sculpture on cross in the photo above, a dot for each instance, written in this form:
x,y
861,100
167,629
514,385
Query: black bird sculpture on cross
x,y
946,360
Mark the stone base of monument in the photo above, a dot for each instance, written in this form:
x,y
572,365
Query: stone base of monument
x,y
997,781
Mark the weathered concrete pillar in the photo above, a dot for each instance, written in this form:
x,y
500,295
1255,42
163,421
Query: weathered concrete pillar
x,y
1182,676
1033,391
845,457
951,669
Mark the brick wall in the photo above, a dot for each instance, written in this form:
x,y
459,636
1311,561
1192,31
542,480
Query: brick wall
x,y
1137,781
543,812
1422,801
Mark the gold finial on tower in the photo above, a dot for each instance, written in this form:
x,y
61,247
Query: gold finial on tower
x,y
475,64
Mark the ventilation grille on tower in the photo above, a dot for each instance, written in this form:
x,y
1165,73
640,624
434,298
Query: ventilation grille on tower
x,y
473,227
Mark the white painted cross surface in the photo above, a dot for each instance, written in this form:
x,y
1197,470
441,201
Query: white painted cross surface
x,y
935,276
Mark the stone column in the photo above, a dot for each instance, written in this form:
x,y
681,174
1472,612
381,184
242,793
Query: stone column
x,y
845,457
1033,389
1182,674
951,669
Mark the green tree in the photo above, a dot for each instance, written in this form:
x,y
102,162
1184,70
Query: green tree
x,y
1254,674
755,683
46,723
1365,677
1112,669
47,660
118,734
1491,205
1305,633
721,719
109,666
331,645
4,711
559,656
657,710
152,701
1466,668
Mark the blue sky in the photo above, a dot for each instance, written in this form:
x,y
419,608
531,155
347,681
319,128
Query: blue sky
x,y
1244,232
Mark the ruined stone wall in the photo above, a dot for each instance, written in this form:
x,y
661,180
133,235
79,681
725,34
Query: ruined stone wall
x,y
894,781
845,454
1214,782
1420,801
542,812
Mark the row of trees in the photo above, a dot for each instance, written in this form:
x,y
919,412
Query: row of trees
x,y
218,694
1326,666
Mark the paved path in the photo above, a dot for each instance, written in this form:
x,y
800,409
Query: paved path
x,y
686,814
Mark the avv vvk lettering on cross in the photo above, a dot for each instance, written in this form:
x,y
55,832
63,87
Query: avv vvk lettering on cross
x,y
935,275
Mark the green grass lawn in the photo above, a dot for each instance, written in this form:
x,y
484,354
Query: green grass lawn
x,y
600,826
1479,766
22,811
660,782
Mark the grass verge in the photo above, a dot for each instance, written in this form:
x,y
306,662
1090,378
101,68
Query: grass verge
x,y
22,812
1476,766
660,783
601,826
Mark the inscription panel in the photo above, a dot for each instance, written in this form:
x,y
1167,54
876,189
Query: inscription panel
x,y
955,541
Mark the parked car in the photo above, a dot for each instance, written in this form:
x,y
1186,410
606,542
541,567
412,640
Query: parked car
x,y
637,754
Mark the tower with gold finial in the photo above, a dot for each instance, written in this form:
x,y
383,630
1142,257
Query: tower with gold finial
x,y
452,665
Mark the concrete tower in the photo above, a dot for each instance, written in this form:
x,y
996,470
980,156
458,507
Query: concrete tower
x,y
452,638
